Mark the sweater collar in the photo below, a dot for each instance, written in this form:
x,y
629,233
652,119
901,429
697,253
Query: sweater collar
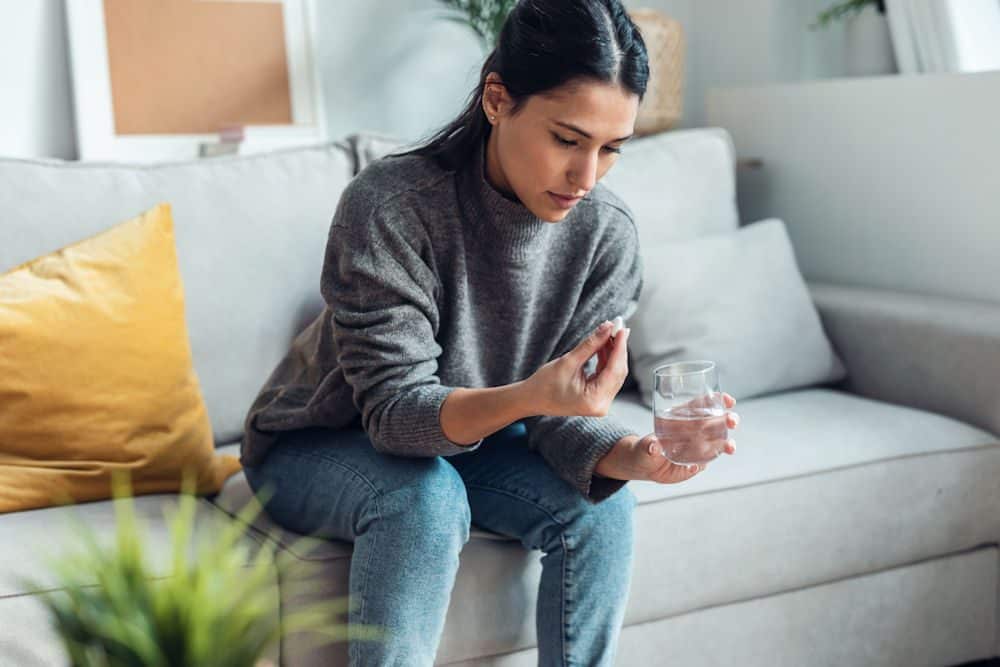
x,y
508,228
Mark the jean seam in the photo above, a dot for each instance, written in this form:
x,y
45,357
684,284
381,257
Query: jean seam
x,y
562,601
353,646
566,555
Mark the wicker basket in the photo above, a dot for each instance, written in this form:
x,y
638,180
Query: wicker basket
x,y
663,103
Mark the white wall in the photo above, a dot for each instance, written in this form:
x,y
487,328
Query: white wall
x,y
36,118
886,181
747,42
392,66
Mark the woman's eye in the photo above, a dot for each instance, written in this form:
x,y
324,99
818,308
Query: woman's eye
x,y
567,142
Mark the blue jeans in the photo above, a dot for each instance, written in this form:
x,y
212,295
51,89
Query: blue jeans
x,y
409,517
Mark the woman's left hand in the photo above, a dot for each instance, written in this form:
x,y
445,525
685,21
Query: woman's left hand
x,y
642,458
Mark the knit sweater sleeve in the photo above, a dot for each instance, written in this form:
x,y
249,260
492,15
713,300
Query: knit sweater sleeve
x,y
572,446
382,294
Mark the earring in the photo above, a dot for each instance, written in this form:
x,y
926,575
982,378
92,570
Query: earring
x,y
493,117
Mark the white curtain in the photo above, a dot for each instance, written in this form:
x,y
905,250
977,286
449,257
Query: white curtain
x,y
945,35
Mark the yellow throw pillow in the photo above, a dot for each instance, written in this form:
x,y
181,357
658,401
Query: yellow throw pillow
x,y
96,372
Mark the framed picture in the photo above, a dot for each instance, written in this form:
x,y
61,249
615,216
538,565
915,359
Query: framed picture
x,y
161,80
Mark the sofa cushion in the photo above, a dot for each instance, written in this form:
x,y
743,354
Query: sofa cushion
x,y
937,612
679,184
251,231
823,486
807,432
96,375
737,299
367,147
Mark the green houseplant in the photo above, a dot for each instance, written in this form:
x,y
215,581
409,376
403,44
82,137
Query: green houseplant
x,y
845,10
867,46
218,608
485,17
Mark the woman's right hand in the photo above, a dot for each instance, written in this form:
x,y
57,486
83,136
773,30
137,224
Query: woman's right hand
x,y
561,388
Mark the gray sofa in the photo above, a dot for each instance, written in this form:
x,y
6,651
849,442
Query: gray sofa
x,y
857,524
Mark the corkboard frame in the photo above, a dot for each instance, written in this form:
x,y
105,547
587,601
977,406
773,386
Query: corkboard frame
x,y
96,137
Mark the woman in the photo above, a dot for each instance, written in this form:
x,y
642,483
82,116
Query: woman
x,y
447,381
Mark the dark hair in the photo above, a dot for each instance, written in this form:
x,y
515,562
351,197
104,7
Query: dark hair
x,y
544,44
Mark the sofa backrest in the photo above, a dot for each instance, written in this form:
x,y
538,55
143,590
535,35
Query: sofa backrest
x,y
679,184
251,232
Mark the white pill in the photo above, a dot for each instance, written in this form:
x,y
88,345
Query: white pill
x,y
618,324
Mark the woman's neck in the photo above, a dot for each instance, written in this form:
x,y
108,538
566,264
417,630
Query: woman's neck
x,y
494,172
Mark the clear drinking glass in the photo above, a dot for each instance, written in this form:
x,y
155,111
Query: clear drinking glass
x,y
689,417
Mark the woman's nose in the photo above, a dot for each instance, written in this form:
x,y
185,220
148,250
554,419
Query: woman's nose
x,y
584,173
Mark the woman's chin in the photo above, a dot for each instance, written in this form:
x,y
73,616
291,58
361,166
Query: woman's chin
x,y
552,214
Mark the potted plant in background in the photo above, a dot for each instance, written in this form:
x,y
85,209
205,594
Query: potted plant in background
x,y
485,17
868,45
219,608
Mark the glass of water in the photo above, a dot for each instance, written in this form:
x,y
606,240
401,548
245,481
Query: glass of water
x,y
689,416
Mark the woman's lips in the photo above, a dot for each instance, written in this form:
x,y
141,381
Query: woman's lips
x,y
564,202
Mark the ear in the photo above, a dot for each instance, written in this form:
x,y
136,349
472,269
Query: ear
x,y
496,101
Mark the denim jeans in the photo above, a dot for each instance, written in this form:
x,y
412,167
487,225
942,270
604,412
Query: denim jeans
x,y
409,517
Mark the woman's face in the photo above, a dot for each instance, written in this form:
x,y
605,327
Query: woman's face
x,y
560,143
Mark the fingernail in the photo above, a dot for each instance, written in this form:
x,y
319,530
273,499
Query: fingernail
x,y
736,418
605,325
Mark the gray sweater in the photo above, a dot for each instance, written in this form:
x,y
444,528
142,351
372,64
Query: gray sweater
x,y
434,280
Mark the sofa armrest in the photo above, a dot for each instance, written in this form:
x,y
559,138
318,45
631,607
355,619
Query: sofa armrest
x,y
935,353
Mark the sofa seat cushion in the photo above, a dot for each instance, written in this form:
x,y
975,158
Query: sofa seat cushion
x,y
806,432
31,537
824,486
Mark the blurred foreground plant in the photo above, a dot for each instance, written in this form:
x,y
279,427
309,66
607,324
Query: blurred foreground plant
x,y
219,609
